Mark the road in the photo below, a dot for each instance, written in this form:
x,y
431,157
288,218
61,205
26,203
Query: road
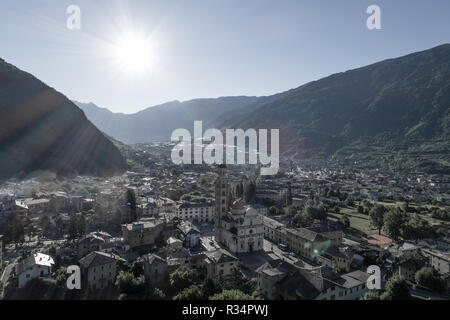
x,y
288,256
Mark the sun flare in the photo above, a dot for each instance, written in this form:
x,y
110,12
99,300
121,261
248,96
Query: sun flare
x,y
134,53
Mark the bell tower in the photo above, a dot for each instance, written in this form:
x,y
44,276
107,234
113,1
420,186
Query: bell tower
x,y
222,188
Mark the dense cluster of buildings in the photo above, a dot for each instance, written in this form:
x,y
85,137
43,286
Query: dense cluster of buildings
x,y
193,219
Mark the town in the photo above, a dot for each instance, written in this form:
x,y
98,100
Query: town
x,y
206,232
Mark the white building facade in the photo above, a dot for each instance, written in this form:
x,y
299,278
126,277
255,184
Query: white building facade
x,y
200,212
239,227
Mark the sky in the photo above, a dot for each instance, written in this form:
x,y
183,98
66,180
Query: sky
x,y
206,48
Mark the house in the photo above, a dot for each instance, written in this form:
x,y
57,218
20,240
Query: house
x,y
102,234
190,233
37,206
142,235
298,201
116,245
156,270
439,260
174,243
14,208
332,231
338,258
408,267
88,244
35,266
355,285
270,274
201,211
150,209
308,242
220,263
179,258
378,240
407,249
280,280
99,269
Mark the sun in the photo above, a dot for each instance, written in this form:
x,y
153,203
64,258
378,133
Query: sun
x,y
134,53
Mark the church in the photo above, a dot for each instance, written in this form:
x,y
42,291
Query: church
x,y
238,226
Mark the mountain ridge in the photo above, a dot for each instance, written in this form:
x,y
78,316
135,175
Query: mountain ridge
x,y
398,105
42,130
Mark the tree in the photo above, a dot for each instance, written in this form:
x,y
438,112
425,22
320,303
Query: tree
x,y
158,294
210,288
182,278
77,226
289,196
290,212
315,212
345,221
416,228
130,284
426,277
45,224
61,277
371,295
396,289
15,231
239,190
393,223
194,292
131,202
232,295
405,207
236,280
250,191
300,220
52,250
203,181
349,202
377,217
273,210
137,268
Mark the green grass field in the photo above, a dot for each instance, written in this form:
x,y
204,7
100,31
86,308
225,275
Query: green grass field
x,y
426,217
359,223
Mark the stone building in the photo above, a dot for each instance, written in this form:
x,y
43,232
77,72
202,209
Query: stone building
x,y
156,271
143,235
99,269
239,227
220,264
